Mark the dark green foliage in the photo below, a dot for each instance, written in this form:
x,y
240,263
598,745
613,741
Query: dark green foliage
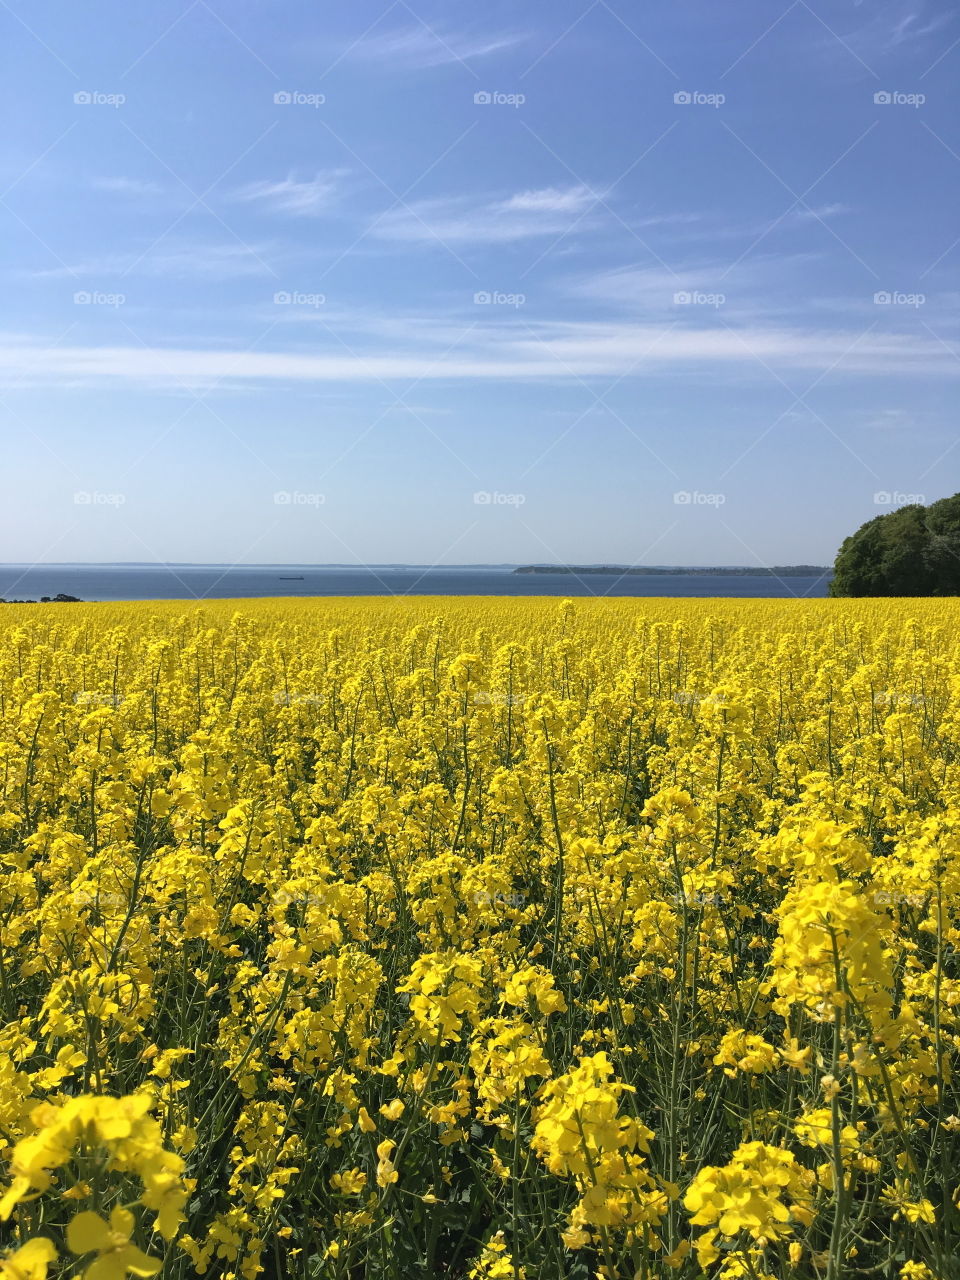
x,y
913,551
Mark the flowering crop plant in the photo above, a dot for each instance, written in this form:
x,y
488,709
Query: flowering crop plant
x,y
491,939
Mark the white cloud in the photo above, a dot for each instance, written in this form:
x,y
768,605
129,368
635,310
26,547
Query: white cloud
x,y
419,48
550,200
820,213
889,420
300,198
648,288
512,351
133,187
891,28
911,26
545,212
185,260
763,286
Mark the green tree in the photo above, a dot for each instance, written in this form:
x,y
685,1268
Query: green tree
x,y
943,524
913,551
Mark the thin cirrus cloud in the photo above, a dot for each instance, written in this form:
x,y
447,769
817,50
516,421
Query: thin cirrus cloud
x,y
549,352
418,48
904,25
292,196
187,260
528,214
890,28
819,213
134,188
766,287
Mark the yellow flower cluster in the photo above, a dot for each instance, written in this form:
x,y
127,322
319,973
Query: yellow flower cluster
x,y
121,1137
748,1195
485,939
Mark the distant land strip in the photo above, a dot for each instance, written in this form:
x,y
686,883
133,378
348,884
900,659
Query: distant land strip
x,y
657,571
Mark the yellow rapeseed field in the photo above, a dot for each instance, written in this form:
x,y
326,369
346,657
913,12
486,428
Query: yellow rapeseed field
x,y
385,938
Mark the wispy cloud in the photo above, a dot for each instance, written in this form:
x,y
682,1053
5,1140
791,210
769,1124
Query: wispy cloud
x,y
764,287
913,25
135,188
549,211
417,48
820,213
185,260
889,420
892,27
713,226
301,198
506,352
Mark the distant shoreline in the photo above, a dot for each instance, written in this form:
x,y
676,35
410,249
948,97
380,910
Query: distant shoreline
x,y
729,571
201,583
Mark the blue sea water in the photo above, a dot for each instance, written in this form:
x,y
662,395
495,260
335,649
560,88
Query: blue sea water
x,y
205,582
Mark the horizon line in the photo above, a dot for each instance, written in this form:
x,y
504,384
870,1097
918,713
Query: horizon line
x,y
379,564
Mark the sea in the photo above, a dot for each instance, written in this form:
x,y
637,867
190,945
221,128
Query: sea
x,y
103,582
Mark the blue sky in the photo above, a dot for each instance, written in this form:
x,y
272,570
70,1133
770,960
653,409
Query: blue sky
x,y
454,283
